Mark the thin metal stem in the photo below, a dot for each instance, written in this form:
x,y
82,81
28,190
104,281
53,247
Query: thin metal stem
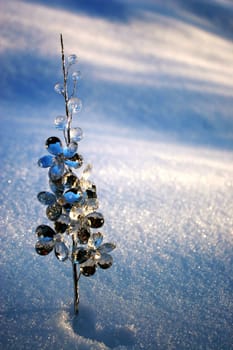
x,y
76,277
66,97
76,272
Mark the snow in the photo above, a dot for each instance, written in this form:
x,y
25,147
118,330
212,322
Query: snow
x,y
157,94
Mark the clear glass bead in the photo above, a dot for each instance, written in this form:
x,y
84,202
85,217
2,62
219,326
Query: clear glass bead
x,y
60,122
105,261
74,105
44,246
61,251
95,240
45,231
59,88
53,211
95,219
72,59
76,75
76,134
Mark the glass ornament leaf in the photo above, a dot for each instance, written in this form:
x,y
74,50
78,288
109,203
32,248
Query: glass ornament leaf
x,y
74,105
60,122
80,255
59,88
88,271
105,261
53,211
56,171
57,187
106,248
44,246
95,219
73,195
72,59
83,235
76,75
76,213
61,251
76,134
70,180
46,198
45,231
53,145
95,240
91,192
45,161
70,150
60,227
87,172
75,162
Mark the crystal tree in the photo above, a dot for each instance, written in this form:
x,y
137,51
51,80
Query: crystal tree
x,y
72,203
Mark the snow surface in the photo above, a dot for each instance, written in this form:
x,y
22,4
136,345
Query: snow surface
x,y
157,91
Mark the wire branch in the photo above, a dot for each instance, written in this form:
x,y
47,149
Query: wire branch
x,y
66,97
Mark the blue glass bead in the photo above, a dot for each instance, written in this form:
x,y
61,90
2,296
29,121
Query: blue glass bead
x,y
73,195
54,145
56,171
75,162
70,150
45,161
46,198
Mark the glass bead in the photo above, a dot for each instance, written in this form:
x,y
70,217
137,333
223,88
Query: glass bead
x,y
73,195
61,251
54,145
56,171
74,162
80,255
74,105
45,231
106,247
59,89
105,261
46,198
76,75
45,161
72,59
95,219
44,246
76,134
60,122
70,150
53,211
95,240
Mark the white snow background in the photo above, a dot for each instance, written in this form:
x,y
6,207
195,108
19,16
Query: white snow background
x,y
157,92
